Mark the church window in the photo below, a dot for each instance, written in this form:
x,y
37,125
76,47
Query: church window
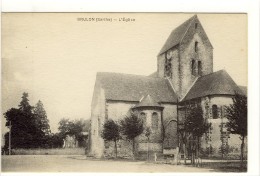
x,y
196,47
155,120
196,25
199,68
214,111
168,67
193,66
143,117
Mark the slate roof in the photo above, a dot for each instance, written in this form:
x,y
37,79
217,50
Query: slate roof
x,y
147,101
216,83
176,35
127,87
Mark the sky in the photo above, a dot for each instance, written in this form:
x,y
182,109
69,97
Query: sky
x,y
55,57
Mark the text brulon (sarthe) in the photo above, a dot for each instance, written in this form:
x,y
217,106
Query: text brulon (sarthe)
x,y
92,19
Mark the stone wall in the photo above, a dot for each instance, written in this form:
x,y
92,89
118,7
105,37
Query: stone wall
x,y
156,133
169,112
174,54
182,55
151,146
117,110
170,125
124,149
213,138
171,136
160,65
204,53
97,120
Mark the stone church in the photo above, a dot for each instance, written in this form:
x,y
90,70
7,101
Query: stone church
x,y
184,74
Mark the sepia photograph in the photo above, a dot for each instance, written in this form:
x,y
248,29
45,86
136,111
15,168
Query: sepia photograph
x,y
124,92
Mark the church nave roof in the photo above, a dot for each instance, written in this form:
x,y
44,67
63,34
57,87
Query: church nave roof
x,y
128,87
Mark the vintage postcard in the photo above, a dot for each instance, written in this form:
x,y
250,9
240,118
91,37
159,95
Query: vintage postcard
x,y
124,92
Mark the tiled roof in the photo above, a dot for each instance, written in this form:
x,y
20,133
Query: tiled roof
x,y
217,83
176,35
127,87
147,101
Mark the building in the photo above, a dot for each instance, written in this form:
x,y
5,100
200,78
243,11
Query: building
x,y
184,74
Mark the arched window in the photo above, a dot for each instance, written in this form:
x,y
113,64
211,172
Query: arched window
x,y
155,120
168,67
214,111
143,117
196,47
193,67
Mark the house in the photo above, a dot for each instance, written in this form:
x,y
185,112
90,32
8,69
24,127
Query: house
x,y
70,141
184,75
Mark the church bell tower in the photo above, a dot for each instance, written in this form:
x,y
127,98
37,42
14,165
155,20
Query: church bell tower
x,y
186,55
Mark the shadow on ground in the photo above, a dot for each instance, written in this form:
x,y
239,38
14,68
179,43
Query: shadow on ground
x,y
225,166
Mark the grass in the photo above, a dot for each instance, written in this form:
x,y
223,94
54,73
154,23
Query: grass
x,y
56,151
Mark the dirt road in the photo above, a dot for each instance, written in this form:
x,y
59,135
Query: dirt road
x,y
69,163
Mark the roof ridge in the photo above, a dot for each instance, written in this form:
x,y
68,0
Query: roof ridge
x,y
117,73
129,74
196,79
176,35
172,87
192,18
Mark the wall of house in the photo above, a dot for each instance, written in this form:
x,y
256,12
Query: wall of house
x,y
70,142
